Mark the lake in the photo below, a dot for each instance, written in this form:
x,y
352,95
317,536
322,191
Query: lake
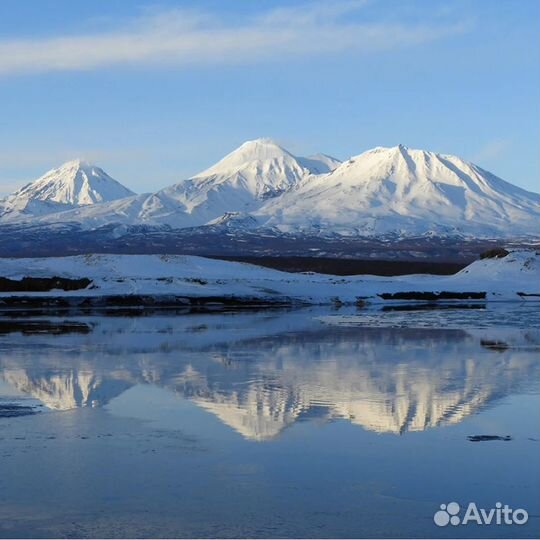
x,y
273,423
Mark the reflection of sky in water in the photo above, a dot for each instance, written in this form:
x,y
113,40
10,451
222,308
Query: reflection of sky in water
x,y
270,424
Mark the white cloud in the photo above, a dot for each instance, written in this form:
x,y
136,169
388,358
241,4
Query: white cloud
x,y
181,37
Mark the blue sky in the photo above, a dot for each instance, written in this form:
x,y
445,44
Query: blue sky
x,y
155,92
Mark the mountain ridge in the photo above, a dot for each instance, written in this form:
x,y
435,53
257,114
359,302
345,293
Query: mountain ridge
x,y
396,191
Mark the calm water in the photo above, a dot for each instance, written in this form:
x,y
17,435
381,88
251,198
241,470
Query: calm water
x,y
306,423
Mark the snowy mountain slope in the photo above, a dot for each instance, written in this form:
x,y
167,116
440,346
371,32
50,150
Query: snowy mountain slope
x,y
73,184
319,163
408,192
134,210
22,209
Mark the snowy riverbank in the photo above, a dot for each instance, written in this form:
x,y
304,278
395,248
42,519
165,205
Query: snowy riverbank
x,y
179,279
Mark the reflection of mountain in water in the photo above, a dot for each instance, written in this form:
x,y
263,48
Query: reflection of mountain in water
x,y
382,388
384,379
63,390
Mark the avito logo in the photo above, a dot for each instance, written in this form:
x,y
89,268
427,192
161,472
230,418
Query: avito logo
x,y
500,515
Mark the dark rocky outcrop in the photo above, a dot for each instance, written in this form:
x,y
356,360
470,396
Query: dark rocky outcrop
x,y
431,296
495,253
35,284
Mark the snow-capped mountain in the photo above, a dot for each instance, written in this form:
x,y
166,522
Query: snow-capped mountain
x,y
256,171
241,182
405,191
383,192
75,182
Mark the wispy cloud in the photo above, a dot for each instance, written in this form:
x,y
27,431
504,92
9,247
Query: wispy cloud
x,y
180,37
492,150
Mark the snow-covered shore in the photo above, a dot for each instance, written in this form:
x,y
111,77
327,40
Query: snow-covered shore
x,y
515,277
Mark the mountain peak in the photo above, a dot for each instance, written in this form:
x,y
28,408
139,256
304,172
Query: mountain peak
x,y
77,163
262,149
75,182
388,150
260,141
